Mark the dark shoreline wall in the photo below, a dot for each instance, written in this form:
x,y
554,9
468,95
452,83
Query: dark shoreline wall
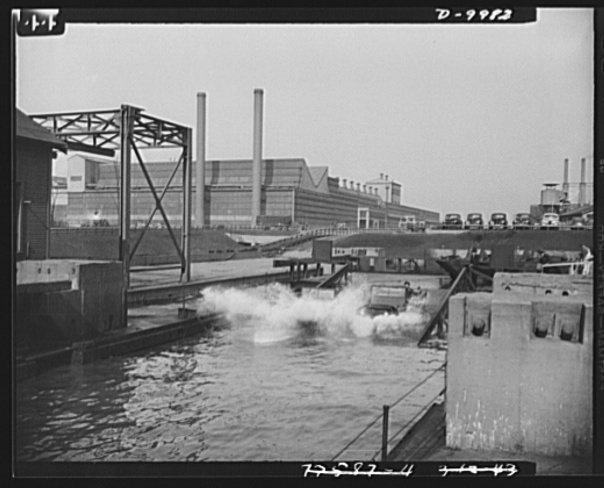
x,y
415,244
101,243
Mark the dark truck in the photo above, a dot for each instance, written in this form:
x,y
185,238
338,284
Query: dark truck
x,y
474,221
452,221
386,300
499,220
523,221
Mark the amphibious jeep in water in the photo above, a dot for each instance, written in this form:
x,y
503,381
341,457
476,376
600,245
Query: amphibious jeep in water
x,y
386,300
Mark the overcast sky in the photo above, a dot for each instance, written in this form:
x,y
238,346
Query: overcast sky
x,y
466,117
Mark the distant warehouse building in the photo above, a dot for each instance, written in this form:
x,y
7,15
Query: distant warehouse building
x,y
292,193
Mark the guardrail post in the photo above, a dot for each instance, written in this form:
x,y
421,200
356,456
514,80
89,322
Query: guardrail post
x,y
385,433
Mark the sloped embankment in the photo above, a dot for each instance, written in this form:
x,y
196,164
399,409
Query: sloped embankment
x,y
103,243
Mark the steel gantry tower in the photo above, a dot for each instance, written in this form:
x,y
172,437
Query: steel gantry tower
x,y
126,131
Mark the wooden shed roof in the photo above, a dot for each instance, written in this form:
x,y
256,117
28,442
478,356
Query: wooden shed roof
x,y
27,128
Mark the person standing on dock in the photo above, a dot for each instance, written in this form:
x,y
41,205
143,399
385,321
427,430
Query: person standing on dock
x,y
587,259
542,258
408,291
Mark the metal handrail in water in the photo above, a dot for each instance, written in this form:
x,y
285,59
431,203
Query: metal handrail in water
x,y
373,422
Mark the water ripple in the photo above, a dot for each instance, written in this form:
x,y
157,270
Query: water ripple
x,y
219,397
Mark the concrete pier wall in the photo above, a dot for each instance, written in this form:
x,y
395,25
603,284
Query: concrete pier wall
x,y
519,368
87,303
557,285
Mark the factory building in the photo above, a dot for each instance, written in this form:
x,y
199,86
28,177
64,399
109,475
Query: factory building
x,y
567,199
291,193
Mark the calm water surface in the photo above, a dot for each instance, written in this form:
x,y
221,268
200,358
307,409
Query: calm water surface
x,y
230,394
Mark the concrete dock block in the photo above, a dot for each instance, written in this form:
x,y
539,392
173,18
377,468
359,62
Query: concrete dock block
x,y
91,307
515,389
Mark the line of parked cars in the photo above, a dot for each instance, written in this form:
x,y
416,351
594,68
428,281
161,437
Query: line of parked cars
x,y
521,221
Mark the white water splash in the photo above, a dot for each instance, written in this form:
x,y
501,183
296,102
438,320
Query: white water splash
x,y
277,314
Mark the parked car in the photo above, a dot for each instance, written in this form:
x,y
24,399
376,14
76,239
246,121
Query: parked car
x,y
474,221
453,221
408,222
582,223
522,221
499,220
550,221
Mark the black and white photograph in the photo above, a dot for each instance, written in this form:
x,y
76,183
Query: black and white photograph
x,y
358,244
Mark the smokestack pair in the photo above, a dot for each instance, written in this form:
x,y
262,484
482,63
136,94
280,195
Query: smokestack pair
x,y
256,164
582,184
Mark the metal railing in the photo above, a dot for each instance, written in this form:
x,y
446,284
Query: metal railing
x,y
384,416
383,451
437,317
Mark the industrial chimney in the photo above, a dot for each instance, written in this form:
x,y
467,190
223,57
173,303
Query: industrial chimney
x,y
201,159
582,183
257,162
565,182
343,182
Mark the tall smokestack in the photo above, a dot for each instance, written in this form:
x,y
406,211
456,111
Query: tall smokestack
x,y
582,183
257,162
565,182
201,158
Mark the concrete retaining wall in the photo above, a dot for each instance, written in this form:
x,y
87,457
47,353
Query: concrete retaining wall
x,y
120,343
557,285
47,318
519,370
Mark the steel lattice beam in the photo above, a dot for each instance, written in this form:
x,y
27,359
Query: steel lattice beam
x,y
126,130
99,131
